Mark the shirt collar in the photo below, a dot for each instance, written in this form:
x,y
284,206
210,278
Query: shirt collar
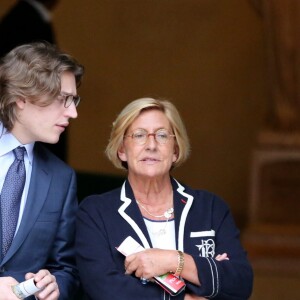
x,y
8,142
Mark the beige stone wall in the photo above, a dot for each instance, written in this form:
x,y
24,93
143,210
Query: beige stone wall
x,y
206,56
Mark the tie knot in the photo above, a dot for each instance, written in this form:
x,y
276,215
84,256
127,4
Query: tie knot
x,y
19,153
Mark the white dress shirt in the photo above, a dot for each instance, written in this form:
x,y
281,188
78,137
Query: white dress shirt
x,y
8,143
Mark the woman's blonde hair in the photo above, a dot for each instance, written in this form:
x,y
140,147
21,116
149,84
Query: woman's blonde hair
x,y
131,112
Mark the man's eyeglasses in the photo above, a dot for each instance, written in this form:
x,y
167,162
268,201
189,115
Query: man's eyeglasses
x,y
140,136
68,99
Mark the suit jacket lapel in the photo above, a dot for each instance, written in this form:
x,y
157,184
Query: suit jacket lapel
x,y
182,204
37,194
130,212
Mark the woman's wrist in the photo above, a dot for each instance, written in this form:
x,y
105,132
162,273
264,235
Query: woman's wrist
x,y
180,263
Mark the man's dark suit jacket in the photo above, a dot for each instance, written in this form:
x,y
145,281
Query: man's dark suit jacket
x,y
21,25
45,238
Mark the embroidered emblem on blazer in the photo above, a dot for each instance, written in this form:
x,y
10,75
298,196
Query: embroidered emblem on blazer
x,y
206,246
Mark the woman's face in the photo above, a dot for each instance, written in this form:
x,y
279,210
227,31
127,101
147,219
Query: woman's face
x,y
150,159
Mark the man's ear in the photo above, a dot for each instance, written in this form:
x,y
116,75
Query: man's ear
x,y
121,153
20,102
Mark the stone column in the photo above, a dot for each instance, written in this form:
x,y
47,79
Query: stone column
x,y
281,19
272,237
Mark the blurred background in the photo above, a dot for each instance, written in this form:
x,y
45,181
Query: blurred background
x,y
214,59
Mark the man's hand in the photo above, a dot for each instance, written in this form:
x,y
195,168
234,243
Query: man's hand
x,y
6,292
47,283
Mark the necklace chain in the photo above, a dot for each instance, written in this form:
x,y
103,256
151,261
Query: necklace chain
x,y
167,214
161,231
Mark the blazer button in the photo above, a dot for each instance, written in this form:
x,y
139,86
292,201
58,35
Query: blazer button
x,y
2,269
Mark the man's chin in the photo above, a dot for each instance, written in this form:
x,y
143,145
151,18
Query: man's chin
x,y
51,141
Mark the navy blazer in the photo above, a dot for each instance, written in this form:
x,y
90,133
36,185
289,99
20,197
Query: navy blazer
x,y
45,238
204,228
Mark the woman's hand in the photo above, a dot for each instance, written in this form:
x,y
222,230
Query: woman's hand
x,y
154,262
150,262
193,297
47,282
221,257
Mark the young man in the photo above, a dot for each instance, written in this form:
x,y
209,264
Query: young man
x,y
29,21
38,97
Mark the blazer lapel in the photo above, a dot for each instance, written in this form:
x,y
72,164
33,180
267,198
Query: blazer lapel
x,y
37,194
182,204
131,214
129,211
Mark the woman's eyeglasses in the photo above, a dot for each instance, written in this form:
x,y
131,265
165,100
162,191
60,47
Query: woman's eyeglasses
x,y
140,136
